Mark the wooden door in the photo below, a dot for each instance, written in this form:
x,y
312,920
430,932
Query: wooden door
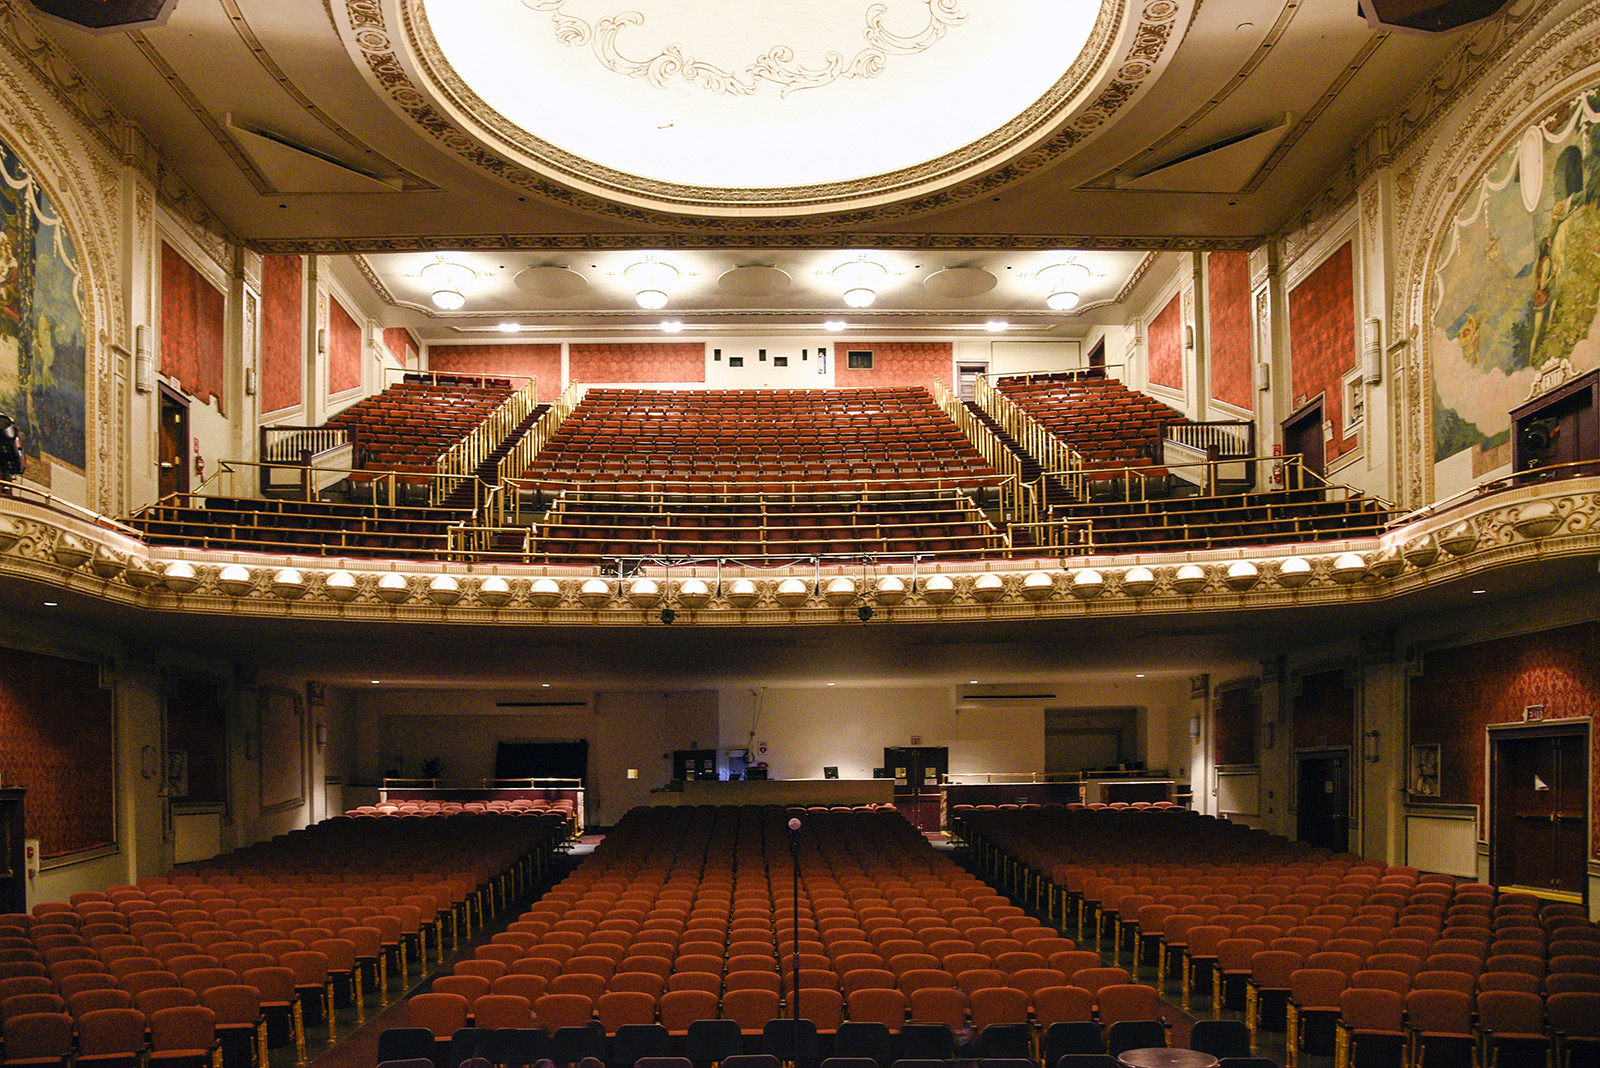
x,y
1323,817
1540,808
173,443
1302,433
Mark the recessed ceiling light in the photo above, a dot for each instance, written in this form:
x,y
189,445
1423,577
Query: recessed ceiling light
x,y
995,326
1138,675
1479,591
377,682
671,326
832,684
972,682
51,604
833,324
544,685
509,328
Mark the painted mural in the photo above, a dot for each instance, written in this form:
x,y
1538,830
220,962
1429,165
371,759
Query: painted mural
x,y
1518,284
41,324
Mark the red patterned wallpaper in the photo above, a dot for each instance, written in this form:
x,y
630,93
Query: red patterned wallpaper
x,y
1165,342
1324,711
403,344
1322,341
282,332
58,724
1228,328
541,361
1236,725
654,361
896,363
344,350
191,329
1461,691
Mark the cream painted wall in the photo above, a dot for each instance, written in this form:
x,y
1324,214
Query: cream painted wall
x,y
625,729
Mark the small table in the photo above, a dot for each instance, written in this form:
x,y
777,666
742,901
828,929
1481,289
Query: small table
x,y
1162,1057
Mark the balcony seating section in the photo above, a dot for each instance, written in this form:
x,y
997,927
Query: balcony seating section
x,y
410,424
259,938
301,528
1330,949
1115,429
735,439
1177,524
581,527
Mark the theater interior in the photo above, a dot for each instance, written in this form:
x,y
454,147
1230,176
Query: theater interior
x,y
922,416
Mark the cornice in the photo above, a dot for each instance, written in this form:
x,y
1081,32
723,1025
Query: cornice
x,y
1514,526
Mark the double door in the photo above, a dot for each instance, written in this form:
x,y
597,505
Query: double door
x,y
918,772
1539,808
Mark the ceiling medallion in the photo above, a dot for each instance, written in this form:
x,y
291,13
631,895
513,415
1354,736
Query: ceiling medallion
x,y
777,66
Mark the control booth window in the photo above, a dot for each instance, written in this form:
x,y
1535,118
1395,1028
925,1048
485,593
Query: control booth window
x,y
859,360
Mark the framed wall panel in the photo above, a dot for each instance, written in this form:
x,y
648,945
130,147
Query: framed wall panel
x,y
281,726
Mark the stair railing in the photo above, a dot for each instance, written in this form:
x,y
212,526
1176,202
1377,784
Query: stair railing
x,y
1018,502
462,460
1055,456
521,455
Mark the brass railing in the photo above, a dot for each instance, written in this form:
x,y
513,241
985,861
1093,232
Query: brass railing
x,y
462,460
520,458
1019,502
1055,456
237,478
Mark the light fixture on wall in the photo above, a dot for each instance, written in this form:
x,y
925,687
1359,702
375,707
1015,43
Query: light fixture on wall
x,y
1369,747
1269,735
447,278
148,763
144,369
858,276
322,342
652,277
1194,726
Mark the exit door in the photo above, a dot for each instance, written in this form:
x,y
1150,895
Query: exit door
x,y
918,772
967,375
1302,433
172,445
1539,808
1324,799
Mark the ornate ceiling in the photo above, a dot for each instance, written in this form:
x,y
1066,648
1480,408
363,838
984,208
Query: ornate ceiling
x,y
963,134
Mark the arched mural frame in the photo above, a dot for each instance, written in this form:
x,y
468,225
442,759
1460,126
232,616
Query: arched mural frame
x,y
1553,62
84,186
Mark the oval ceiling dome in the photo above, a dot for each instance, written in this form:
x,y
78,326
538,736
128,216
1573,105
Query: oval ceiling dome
x,y
815,107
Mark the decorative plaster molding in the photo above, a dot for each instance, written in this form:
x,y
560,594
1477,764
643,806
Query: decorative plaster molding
x,y
386,54
1511,527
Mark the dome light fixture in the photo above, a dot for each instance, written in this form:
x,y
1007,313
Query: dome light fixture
x,y
652,277
858,276
1059,280
447,278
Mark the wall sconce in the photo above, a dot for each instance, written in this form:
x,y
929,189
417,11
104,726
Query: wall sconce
x,y
250,381
144,369
1269,735
252,747
1188,335
322,342
1369,747
1194,727
322,735
148,764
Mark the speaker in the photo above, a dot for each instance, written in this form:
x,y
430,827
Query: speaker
x,y
1427,16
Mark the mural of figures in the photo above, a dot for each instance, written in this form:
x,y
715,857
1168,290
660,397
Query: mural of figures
x,y
41,325
1519,283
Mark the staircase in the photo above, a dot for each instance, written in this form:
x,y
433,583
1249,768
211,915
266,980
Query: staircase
x,y
1054,492
489,471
